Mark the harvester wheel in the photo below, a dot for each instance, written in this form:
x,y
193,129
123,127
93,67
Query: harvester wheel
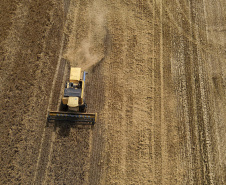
x,y
63,107
82,108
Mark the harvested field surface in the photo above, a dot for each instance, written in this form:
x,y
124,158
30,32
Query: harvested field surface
x,y
157,79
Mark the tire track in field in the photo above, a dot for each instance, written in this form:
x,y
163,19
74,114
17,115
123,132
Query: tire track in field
x,y
138,161
114,97
175,16
56,104
152,6
165,169
189,68
134,85
181,55
53,100
202,109
191,93
96,88
95,99
216,80
150,63
145,95
169,104
142,121
158,158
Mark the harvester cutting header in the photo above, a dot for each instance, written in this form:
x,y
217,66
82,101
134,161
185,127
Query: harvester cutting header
x,y
73,104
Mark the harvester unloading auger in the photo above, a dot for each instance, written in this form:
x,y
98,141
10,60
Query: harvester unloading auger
x,y
73,104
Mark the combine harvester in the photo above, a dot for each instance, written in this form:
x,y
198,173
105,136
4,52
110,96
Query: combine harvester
x,y
73,104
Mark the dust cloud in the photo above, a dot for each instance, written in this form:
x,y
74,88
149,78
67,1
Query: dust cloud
x,y
89,51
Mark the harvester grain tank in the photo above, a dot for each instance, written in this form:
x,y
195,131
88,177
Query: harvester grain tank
x,y
72,103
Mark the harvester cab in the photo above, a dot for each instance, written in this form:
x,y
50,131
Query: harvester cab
x,y
73,104
73,92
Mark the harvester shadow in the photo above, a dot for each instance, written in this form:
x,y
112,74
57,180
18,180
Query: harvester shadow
x,y
65,128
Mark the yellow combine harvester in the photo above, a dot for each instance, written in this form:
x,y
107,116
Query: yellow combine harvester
x,y
73,105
